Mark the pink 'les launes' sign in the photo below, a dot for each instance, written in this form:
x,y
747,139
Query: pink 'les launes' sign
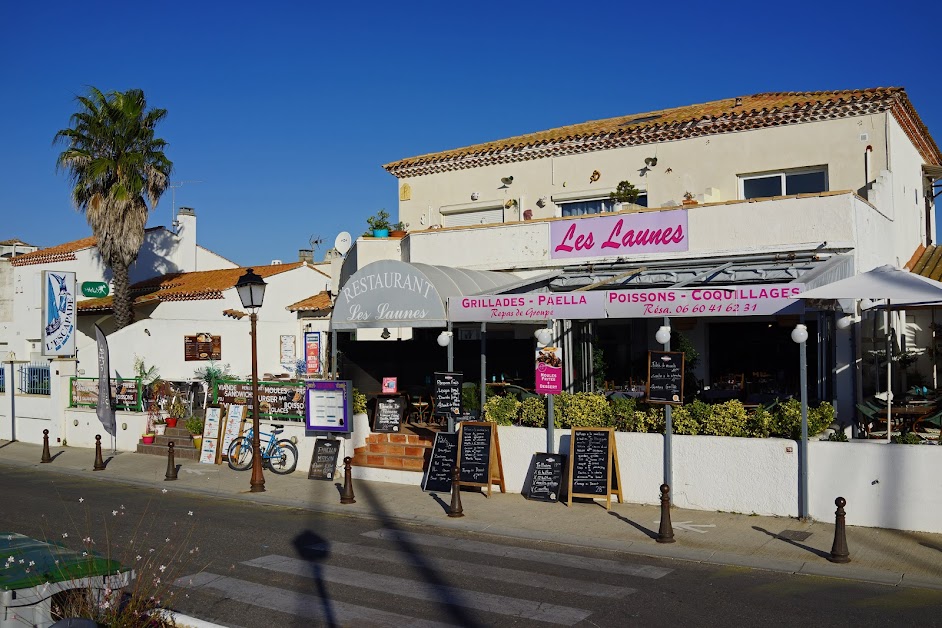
x,y
621,234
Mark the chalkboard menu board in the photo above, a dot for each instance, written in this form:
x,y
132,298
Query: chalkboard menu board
x,y
545,477
324,459
202,347
665,377
479,455
387,416
448,393
593,464
441,463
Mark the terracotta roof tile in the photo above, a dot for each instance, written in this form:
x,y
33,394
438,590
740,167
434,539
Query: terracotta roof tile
x,y
319,301
13,242
59,253
927,261
196,286
720,116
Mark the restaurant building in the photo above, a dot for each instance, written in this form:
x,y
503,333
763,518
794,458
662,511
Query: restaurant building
x,y
741,205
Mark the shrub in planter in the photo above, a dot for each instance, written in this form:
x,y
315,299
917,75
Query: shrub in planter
x,y
623,414
470,397
586,409
909,438
501,409
533,412
726,419
194,425
654,420
359,402
683,421
819,419
757,423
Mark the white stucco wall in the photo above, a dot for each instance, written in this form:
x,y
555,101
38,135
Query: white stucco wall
x,y
908,192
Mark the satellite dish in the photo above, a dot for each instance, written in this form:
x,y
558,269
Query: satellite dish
x,y
507,180
342,242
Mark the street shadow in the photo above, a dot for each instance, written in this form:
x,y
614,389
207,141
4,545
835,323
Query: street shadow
x,y
315,549
56,455
651,533
441,502
7,444
107,460
814,551
339,488
931,546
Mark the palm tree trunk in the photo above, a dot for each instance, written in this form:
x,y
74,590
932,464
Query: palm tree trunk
x,y
123,313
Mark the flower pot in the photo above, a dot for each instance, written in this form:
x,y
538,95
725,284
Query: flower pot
x,y
198,442
147,439
396,233
172,422
380,233
159,428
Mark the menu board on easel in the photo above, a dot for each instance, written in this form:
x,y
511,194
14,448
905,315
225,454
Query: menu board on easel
x,y
593,464
235,417
212,424
479,455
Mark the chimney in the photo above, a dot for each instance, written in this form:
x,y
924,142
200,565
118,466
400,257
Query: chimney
x,y
186,232
306,255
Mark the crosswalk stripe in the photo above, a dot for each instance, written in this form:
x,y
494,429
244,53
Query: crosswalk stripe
x,y
314,609
520,553
426,591
486,572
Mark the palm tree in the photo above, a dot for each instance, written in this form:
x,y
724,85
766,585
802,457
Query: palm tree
x,y
118,171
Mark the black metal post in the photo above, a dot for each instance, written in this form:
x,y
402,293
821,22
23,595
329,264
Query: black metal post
x,y
257,484
665,533
347,497
171,465
839,552
47,457
456,510
99,463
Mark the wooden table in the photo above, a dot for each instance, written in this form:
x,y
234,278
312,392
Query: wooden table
x,y
908,415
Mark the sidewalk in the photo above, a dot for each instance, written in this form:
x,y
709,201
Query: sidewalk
x,y
892,557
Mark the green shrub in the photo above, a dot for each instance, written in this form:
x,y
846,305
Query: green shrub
x,y
194,425
359,402
470,397
757,423
909,438
819,419
623,410
533,412
838,437
726,419
786,420
585,409
683,421
700,412
501,409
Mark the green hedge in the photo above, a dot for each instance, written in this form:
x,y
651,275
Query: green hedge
x,y
629,415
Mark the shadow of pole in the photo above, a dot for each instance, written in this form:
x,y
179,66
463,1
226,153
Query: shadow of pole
x,y
651,533
814,551
314,549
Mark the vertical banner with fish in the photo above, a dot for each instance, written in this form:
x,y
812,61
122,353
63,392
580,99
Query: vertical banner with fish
x,y
58,332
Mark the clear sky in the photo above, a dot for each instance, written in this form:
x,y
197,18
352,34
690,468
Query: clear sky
x,y
285,112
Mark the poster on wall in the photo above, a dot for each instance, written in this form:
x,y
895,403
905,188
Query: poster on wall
x,y
287,353
312,352
549,370
58,313
329,406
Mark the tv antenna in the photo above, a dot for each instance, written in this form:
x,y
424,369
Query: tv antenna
x,y
315,241
173,199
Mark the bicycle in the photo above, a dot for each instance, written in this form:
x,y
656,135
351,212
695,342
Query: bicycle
x,y
281,456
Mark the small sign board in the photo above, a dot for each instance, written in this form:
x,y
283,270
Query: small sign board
x,y
212,424
549,371
593,464
448,393
202,347
441,463
545,478
324,459
665,377
479,455
235,417
329,406
387,414
390,385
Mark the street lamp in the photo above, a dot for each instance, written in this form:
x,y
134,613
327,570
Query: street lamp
x,y
800,335
251,289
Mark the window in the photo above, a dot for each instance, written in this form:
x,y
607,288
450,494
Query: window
x,y
597,206
784,183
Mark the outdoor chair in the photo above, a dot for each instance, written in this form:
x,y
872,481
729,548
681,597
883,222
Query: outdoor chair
x,y
870,419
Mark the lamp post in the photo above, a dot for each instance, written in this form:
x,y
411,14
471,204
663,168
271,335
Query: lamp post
x,y
800,335
544,336
445,340
663,336
251,289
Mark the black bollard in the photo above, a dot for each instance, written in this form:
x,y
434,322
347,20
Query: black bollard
x,y
47,457
456,510
665,533
99,463
171,465
346,497
839,552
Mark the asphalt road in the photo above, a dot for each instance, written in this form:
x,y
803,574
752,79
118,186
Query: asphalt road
x,y
244,565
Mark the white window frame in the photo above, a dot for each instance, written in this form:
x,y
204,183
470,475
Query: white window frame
x,y
585,196
781,174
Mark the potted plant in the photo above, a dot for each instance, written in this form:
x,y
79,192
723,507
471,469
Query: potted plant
x,y
176,411
153,415
398,230
194,426
689,199
160,426
378,224
625,194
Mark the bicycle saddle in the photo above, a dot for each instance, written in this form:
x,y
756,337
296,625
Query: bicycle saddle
x,y
277,427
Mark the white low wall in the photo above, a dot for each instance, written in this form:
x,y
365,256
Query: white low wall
x,y
885,485
82,425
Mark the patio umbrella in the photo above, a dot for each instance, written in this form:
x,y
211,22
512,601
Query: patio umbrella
x,y
884,282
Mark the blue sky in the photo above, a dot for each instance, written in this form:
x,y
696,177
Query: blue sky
x,y
285,112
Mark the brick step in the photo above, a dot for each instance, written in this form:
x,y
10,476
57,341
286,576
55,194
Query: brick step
x,y
178,432
188,453
399,439
407,463
179,442
393,449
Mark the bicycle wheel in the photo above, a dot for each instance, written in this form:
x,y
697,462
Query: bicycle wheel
x,y
284,457
240,454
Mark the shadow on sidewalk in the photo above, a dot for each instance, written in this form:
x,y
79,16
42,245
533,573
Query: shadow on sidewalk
x,y
315,549
651,533
814,551
441,502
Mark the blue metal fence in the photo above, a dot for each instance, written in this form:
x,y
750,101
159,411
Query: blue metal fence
x,y
3,380
34,378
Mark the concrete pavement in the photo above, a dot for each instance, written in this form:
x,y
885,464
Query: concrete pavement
x,y
891,557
